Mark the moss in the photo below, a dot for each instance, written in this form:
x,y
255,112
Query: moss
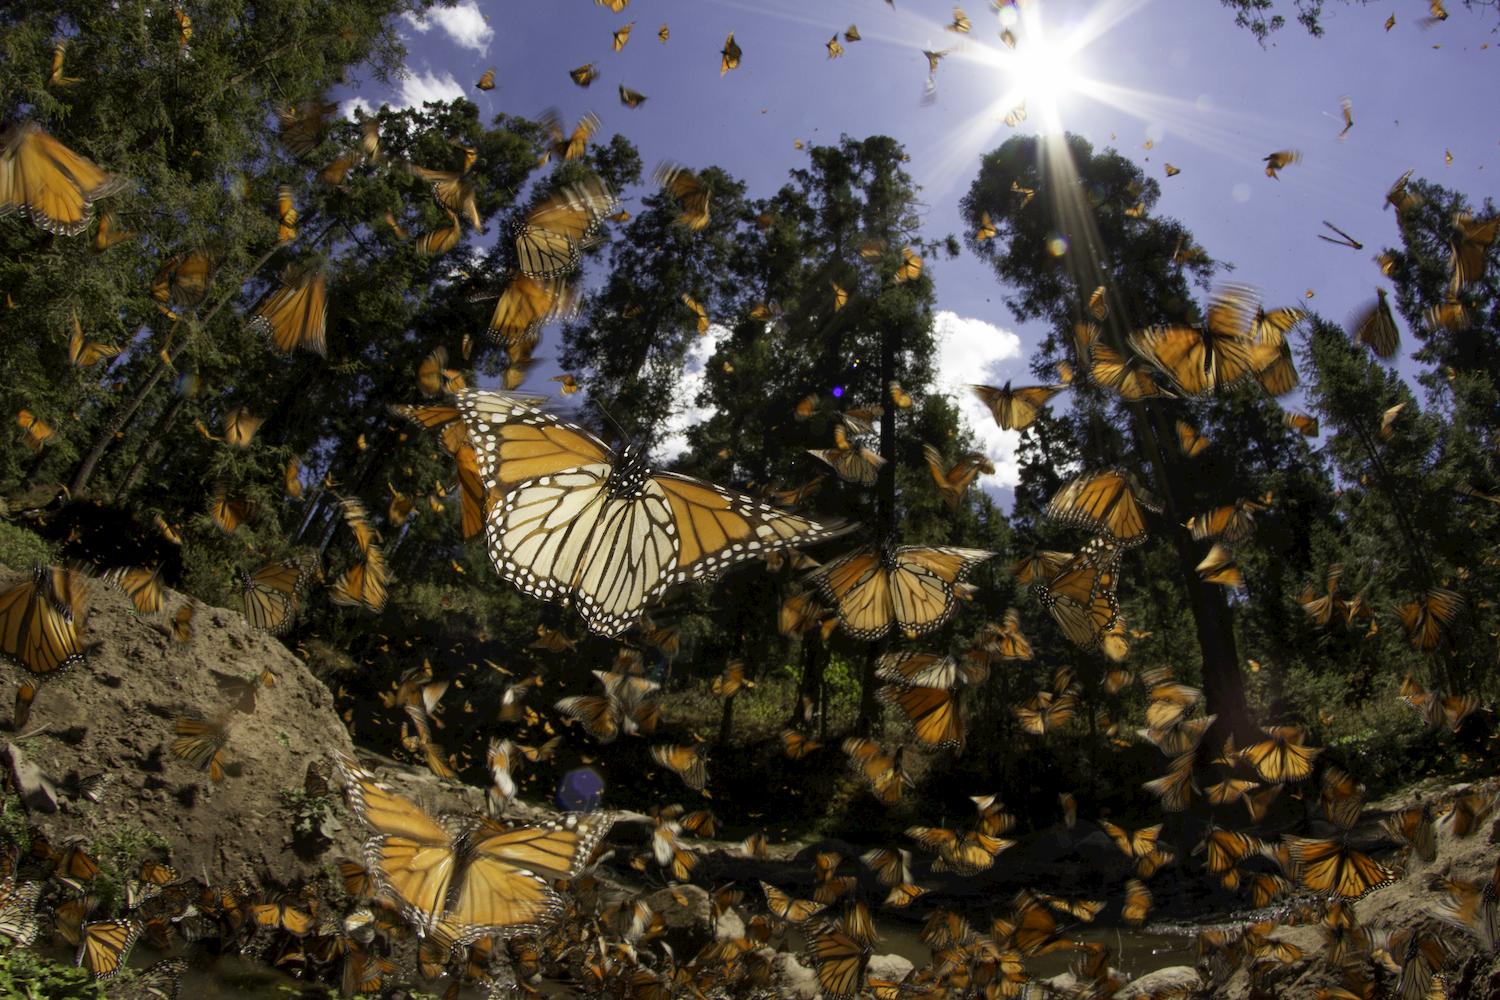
x,y
20,548
26,975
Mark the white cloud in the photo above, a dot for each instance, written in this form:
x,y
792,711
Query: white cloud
x,y
972,350
464,23
686,412
353,104
419,88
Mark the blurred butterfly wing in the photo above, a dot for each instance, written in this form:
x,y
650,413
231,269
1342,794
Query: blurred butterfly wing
x,y
142,586
933,713
296,315
47,182
1181,354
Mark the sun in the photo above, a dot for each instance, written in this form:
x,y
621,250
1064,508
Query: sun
x,y
1045,72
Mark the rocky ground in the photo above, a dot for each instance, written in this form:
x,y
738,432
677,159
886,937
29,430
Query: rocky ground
x,y
114,715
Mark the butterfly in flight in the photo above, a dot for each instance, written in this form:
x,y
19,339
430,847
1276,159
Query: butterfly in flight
x,y
573,521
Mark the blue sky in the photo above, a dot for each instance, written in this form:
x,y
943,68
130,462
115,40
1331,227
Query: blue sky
x,y
1176,72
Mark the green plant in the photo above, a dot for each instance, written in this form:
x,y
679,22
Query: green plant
x,y
13,822
119,854
312,815
20,548
26,975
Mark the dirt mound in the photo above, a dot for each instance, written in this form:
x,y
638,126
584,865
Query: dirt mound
x,y
1409,902
116,713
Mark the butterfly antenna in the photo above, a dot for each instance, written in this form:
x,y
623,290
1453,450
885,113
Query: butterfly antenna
x,y
619,430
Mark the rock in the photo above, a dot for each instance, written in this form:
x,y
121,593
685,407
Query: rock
x,y
1152,983
890,967
32,784
794,981
116,713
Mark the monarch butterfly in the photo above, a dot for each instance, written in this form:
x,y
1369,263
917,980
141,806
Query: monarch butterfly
x,y
923,670
911,588
1081,597
700,315
1189,441
891,866
1226,848
838,959
1137,902
1031,930
793,911
1016,409
630,98
966,854
40,620
564,145
435,242
572,521
1218,566
143,586
47,182
302,125
952,481
1175,788
796,745
1109,501
296,314
1470,241
105,944
486,879
881,771
729,56
487,80
732,681
853,462
282,915
1282,757
201,743
1269,329
932,711
834,48
1126,376
1133,844
363,584
556,232
911,266
689,191
621,36
38,431
106,235
84,353
1413,827
1016,115
1228,791
1333,867
903,894
690,763
240,427
1045,711
1427,619
1200,359
273,592
1232,523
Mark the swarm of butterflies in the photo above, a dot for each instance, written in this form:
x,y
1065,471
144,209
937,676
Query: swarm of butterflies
x,y
570,520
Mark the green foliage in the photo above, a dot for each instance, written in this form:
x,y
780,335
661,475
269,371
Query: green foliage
x,y
25,975
13,825
119,853
312,815
21,548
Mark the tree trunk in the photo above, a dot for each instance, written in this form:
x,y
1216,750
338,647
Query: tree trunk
x,y
116,425
148,455
1223,683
